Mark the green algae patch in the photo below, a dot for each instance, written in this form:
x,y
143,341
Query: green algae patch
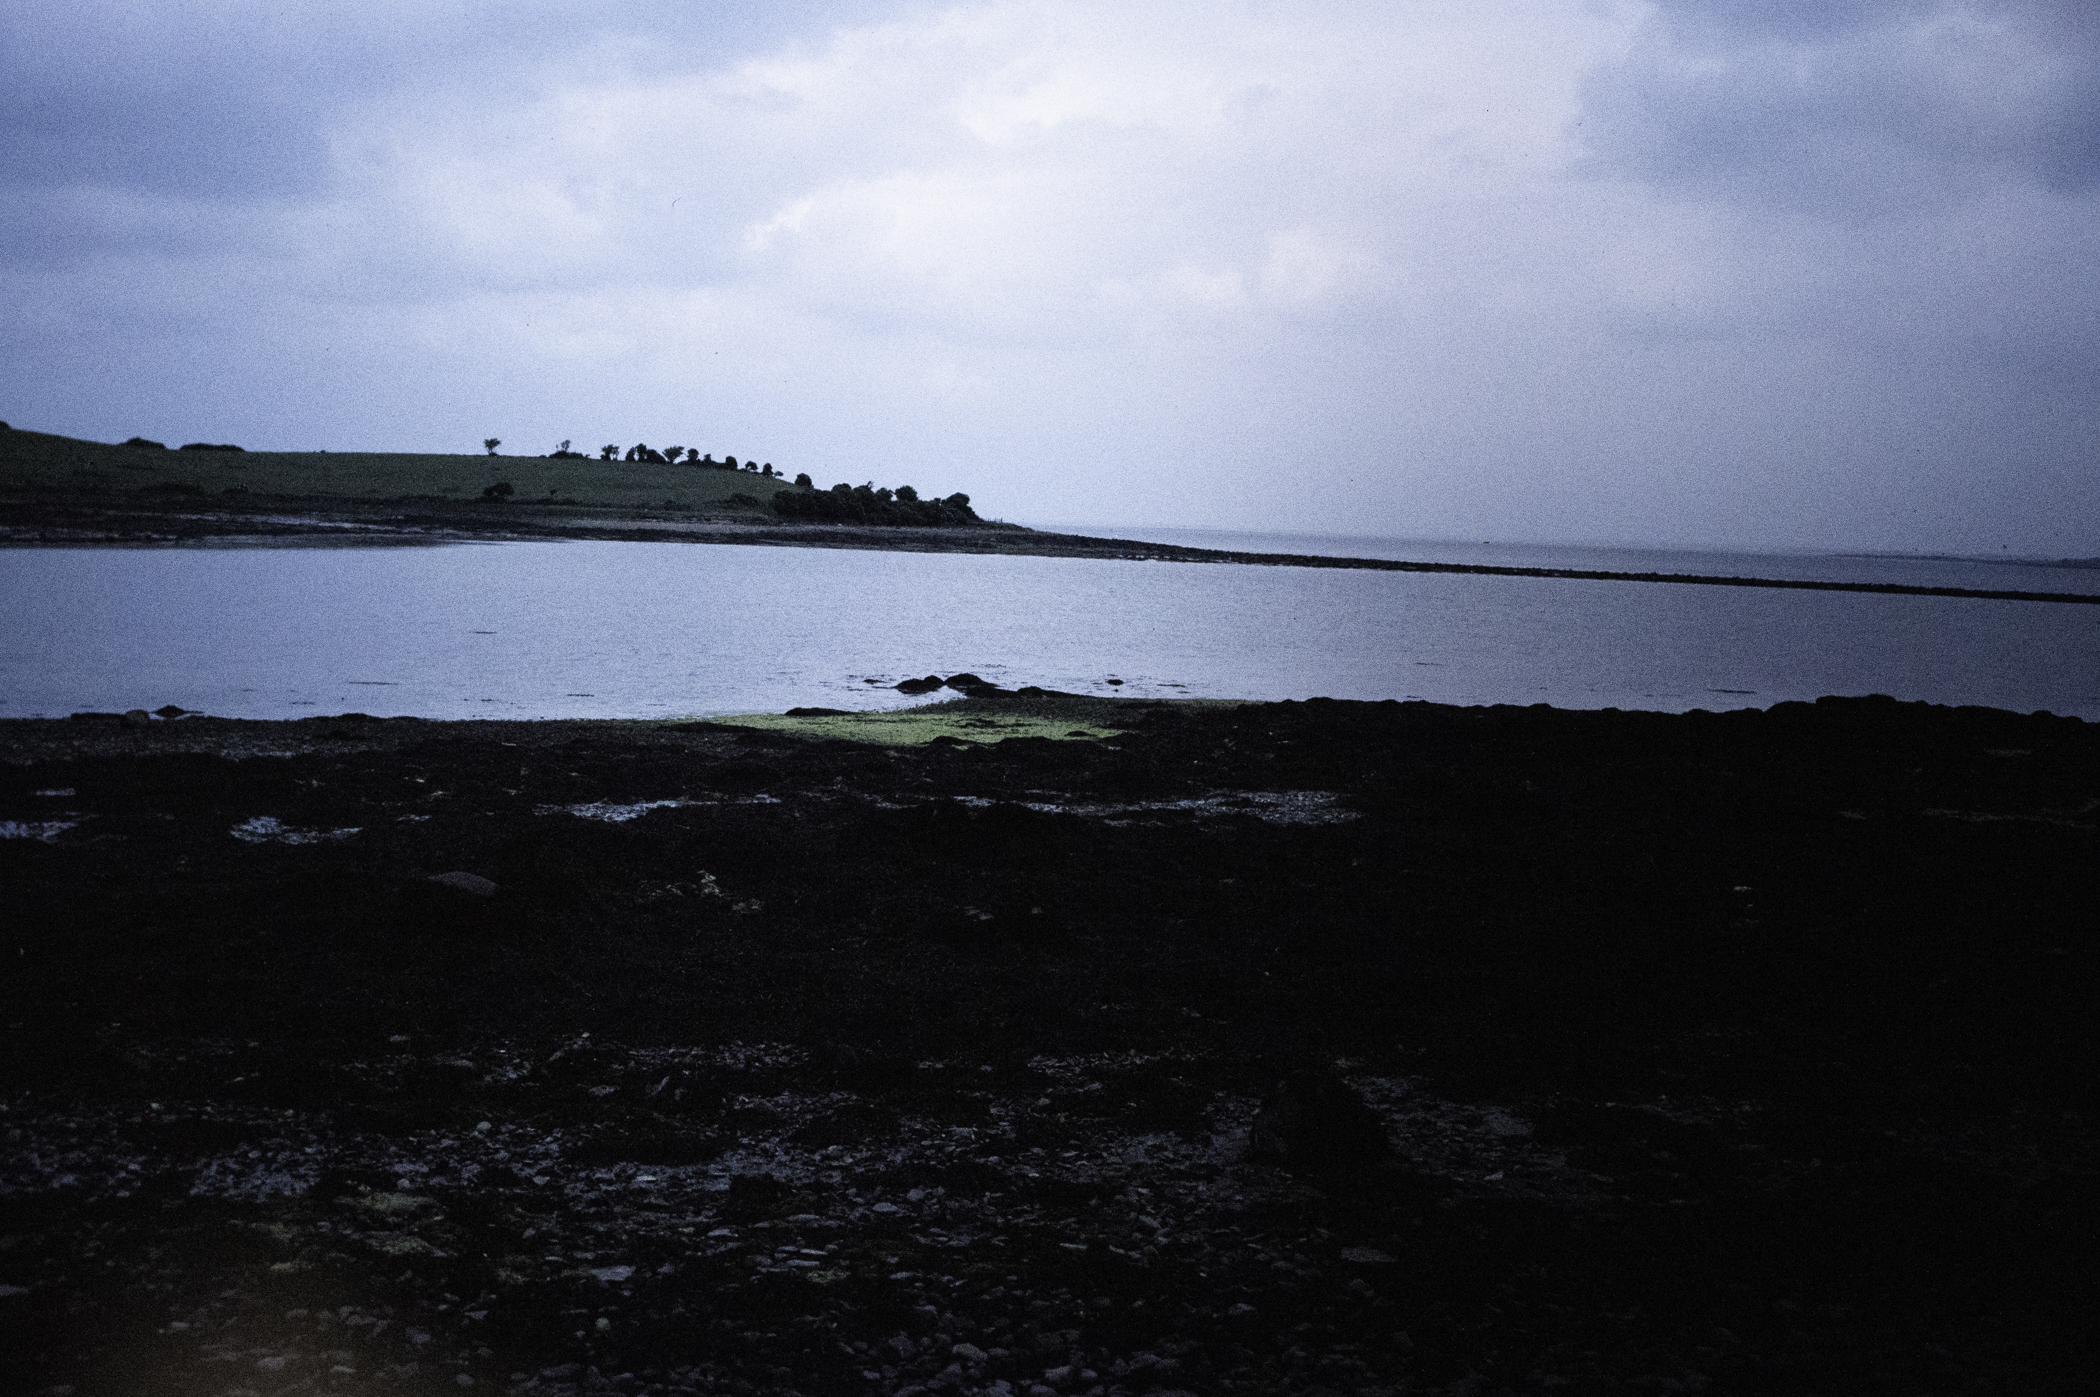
x,y
1056,716
917,727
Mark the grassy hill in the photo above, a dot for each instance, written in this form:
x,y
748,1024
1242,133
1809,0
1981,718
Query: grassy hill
x,y
40,463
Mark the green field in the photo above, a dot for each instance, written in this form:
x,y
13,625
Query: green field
x,y
39,463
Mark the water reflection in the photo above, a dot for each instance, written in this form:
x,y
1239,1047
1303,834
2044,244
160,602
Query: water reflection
x,y
656,630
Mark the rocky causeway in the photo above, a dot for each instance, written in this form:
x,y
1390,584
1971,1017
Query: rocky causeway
x,y
1166,1047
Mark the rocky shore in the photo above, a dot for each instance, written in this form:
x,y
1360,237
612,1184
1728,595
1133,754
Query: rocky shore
x,y
1313,1048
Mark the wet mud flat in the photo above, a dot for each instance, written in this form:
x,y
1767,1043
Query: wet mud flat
x,y
1321,1048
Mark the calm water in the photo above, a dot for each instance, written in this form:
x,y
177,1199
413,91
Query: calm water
x,y
648,630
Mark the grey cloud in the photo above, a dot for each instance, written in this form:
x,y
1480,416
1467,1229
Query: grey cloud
x,y
1080,250
232,101
1849,109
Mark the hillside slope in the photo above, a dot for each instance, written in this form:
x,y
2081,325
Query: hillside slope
x,y
42,463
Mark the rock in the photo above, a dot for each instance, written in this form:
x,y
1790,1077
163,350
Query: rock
x,y
1366,1256
138,718
1314,1120
819,713
753,1196
968,681
472,884
968,1353
920,686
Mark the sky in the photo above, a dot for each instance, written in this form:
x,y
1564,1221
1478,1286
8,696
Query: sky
x,y
1805,274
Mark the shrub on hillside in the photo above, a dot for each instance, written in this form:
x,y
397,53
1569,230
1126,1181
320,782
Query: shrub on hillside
x,y
142,444
499,492
206,446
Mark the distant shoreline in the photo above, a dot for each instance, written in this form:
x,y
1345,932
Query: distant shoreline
x,y
89,522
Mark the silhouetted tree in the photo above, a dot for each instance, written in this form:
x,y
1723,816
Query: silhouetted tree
x,y
672,453
491,443
608,451
730,461
805,482
864,504
907,494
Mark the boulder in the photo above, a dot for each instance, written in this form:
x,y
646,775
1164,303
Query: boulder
x,y
1313,1120
754,1196
921,686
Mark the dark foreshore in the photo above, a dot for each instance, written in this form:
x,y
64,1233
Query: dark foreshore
x,y
1321,1047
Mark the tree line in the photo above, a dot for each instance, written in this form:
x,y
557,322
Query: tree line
x,y
643,452
864,504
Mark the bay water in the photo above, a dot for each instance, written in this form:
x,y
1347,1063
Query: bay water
x,y
651,630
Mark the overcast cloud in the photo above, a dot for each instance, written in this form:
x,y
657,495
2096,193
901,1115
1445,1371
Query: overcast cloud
x,y
1804,273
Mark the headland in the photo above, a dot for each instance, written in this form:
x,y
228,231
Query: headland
x,y
61,491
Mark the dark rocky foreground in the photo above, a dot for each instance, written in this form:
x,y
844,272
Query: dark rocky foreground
x,y
1323,1047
